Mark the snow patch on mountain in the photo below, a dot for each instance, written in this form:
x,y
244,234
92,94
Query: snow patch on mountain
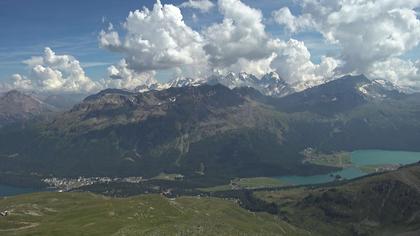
x,y
272,84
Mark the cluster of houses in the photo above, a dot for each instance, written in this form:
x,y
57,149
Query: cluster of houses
x,y
385,168
66,184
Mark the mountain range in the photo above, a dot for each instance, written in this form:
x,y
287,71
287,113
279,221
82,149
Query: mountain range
x,y
270,84
211,133
17,106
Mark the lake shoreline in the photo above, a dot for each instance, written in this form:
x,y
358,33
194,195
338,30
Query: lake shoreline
x,y
381,159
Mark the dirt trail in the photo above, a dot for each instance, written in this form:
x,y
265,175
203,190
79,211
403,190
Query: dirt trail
x,y
28,226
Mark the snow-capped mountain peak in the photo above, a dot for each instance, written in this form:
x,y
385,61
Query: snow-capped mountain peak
x,y
272,76
150,87
379,89
273,85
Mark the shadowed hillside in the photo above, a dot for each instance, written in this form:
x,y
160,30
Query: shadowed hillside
x,y
384,204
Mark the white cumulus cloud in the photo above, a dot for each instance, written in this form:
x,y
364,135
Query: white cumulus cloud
x,y
53,73
241,35
120,76
240,43
367,32
293,63
258,67
156,39
202,5
405,73
293,23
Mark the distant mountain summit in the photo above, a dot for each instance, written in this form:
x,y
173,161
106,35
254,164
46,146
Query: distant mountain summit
x,y
62,101
16,106
184,82
272,85
233,80
178,82
338,95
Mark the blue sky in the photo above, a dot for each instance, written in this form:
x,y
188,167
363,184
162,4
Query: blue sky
x,y
69,27
73,28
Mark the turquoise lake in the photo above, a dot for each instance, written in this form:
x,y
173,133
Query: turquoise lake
x,y
359,158
379,157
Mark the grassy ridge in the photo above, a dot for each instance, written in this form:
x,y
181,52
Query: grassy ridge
x,y
89,214
381,204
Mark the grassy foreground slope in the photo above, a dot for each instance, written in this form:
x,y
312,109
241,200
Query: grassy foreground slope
x,y
89,214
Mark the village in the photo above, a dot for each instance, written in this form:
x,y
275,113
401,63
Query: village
x,y
66,184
